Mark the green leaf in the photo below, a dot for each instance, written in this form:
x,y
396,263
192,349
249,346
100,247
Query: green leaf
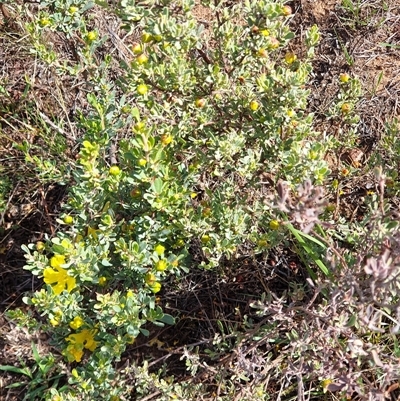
x,y
315,258
22,371
35,352
167,319
352,321
15,385
289,35
158,185
135,113
58,249
144,332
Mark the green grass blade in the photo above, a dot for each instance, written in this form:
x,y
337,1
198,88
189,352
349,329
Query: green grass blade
x,y
299,235
22,371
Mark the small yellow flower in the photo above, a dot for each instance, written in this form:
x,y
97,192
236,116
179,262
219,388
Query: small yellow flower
x,y
73,9
156,287
102,281
274,225
73,353
166,139
146,37
161,265
345,108
91,36
114,170
200,103
254,105
142,59
68,219
344,78
129,294
137,48
205,239
179,243
54,322
262,243
76,323
159,249
40,246
262,53
92,232
287,10
290,58
142,89
290,113
58,277
150,278
325,383
79,341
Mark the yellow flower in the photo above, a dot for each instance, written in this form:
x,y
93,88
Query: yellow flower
x,y
67,244
57,261
161,265
254,105
58,276
73,353
155,287
325,383
102,281
274,224
76,323
84,338
91,36
166,139
79,341
159,249
92,232
290,58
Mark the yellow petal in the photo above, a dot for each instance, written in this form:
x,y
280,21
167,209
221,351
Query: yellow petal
x,y
57,260
74,353
76,323
50,275
71,283
58,288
